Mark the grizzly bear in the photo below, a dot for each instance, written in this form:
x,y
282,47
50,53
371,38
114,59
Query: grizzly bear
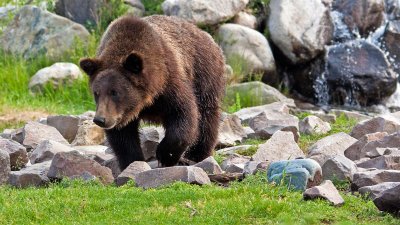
x,y
162,70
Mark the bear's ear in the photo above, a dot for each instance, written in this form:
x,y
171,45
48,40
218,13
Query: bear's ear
x,y
133,63
90,66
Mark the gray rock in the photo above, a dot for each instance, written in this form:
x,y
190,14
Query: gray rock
x,y
252,167
362,15
268,122
150,137
96,152
230,131
385,162
248,44
67,125
56,75
326,191
390,141
234,163
258,93
34,133
245,19
330,146
351,115
356,150
374,190
246,114
5,167
131,171
233,150
34,175
7,133
69,164
113,165
17,135
389,123
89,134
50,34
209,165
310,35
46,150
163,176
383,151
314,125
340,168
203,11
329,118
389,200
17,152
135,4
373,177
83,12
281,146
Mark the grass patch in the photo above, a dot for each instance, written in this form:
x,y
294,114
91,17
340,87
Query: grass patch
x,y
248,152
252,201
342,124
152,7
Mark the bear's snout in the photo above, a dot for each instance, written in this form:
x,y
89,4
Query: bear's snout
x,y
100,121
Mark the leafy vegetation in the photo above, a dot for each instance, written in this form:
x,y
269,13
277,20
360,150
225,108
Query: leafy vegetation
x,y
153,6
252,201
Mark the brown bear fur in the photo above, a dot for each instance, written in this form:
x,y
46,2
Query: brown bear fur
x,y
158,69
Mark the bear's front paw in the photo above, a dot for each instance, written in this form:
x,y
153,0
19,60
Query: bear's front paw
x,y
166,158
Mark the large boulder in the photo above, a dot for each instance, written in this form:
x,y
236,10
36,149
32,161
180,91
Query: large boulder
x,y
391,41
17,152
356,151
73,164
67,125
339,168
389,123
56,75
375,190
361,15
86,12
300,28
389,200
330,146
281,146
204,12
34,175
373,177
49,34
34,133
249,45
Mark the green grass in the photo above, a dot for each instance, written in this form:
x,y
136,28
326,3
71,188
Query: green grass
x,y
252,201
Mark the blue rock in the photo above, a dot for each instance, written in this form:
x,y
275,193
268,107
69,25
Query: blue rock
x,y
297,174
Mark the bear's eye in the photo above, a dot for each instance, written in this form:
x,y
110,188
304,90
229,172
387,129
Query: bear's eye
x,y
114,93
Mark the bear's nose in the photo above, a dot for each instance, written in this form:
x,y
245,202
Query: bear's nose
x,y
101,121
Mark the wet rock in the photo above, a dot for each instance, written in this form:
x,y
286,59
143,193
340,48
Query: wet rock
x,y
202,11
209,165
67,125
361,15
46,150
373,177
268,122
356,150
85,12
250,45
113,165
5,167
389,123
17,152
359,73
246,114
34,133
374,190
89,134
281,146
339,168
305,40
389,200
163,176
330,146
385,162
150,137
233,150
245,19
256,92
50,34
57,75
230,131
69,164
314,125
31,176
298,174
234,163
131,171
325,191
